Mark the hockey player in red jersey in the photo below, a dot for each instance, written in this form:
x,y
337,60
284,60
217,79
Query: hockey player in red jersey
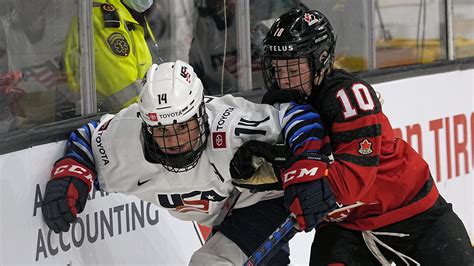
x,y
399,215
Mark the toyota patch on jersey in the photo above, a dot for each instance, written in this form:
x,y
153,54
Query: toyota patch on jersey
x,y
218,140
118,44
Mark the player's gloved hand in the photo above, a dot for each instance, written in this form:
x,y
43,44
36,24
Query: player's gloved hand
x,y
256,166
283,96
66,194
307,192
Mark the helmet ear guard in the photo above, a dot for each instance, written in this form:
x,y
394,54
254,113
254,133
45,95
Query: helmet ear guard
x,y
172,104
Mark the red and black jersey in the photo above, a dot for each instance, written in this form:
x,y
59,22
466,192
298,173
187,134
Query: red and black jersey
x,y
371,166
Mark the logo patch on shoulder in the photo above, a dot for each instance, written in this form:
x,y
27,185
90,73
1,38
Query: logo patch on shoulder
x,y
365,147
218,140
118,44
108,7
105,125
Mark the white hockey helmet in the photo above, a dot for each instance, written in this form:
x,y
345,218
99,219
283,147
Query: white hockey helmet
x,y
171,95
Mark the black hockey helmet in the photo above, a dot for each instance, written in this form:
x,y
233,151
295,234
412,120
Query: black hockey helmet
x,y
298,34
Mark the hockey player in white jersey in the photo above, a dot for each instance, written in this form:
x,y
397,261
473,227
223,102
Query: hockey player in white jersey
x,y
173,149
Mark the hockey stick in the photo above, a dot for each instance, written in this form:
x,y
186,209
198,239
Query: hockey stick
x,y
274,242
284,233
228,205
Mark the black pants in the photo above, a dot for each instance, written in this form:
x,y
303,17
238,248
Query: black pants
x,y
437,237
251,226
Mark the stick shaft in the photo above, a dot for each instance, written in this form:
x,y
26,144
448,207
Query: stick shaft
x,y
274,242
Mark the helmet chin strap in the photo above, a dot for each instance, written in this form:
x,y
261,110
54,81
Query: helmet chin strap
x,y
321,74
318,78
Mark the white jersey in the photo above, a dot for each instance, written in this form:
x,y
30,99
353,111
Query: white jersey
x,y
200,193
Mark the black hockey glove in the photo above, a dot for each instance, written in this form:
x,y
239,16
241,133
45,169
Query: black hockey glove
x,y
256,166
63,200
307,191
283,96
66,194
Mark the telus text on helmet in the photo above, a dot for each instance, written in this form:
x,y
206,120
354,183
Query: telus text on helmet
x,y
281,48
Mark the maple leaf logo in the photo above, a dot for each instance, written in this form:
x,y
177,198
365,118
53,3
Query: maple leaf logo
x,y
310,19
365,147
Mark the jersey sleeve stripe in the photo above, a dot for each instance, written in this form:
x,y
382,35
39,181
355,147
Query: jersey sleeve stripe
x,y
308,145
288,121
298,107
290,118
79,154
79,143
359,160
78,140
311,136
75,155
363,121
364,132
85,133
297,125
311,128
84,149
92,126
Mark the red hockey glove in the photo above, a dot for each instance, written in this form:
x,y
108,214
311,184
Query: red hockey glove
x,y
66,193
307,192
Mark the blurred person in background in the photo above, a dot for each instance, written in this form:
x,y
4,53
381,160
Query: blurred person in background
x,y
31,39
122,55
215,57
10,95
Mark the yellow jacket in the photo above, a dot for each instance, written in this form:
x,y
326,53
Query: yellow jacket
x,y
121,55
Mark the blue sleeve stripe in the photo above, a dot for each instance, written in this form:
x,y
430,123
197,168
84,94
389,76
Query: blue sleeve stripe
x,y
298,118
292,144
88,129
85,133
289,126
302,130
301,107
293,138
301,144
75,155
92,126
303,116
78,141
86,151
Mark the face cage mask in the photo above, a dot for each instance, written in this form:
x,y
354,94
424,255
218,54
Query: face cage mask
x,y
177,161
292,75
288,74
